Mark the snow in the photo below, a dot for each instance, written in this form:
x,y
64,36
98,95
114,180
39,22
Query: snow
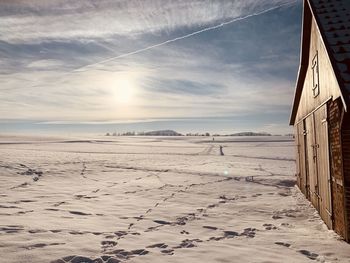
x,y
157,199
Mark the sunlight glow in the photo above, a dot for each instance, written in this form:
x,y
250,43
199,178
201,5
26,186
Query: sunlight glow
x,y
124,90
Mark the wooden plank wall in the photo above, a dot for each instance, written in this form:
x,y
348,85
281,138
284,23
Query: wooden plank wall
x,y
327,80
346,169
335,109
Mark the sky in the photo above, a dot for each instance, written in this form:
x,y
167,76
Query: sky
x,y
220,66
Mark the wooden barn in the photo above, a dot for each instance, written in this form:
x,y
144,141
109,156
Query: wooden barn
x,y
321,111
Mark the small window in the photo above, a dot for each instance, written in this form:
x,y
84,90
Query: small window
x,y
315,76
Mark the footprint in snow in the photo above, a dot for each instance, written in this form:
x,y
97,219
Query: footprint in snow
x,y
308,254
283,244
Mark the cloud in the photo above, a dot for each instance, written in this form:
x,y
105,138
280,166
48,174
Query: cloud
x,y
45,64
43,20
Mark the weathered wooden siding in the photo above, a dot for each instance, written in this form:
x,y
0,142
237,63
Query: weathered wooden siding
x,y
346,169
335,109
328,85
323,169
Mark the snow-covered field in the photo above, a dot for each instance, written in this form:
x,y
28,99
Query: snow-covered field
x,y
157,199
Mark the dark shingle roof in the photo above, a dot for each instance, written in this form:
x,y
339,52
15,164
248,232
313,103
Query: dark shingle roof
x,y
333,17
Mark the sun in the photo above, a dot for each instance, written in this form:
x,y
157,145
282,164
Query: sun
x,y
124,91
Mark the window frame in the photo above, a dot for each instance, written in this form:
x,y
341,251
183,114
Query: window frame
x,y
315,76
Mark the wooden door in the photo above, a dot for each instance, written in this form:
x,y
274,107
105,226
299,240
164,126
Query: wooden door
x,y
311,159
323,174
298,157
302,176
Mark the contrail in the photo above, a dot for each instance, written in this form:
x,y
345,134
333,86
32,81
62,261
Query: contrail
x,y
184,36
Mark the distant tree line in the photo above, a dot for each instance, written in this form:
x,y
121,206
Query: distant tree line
x,y
198,134
150,133
174,133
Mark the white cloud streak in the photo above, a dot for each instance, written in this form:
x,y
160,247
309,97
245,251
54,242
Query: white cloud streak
x,y
185,36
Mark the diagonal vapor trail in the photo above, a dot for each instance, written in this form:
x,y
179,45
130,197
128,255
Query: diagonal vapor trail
x,y
184,36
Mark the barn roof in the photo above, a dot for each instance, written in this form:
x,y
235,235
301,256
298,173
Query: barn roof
x,y
333,20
